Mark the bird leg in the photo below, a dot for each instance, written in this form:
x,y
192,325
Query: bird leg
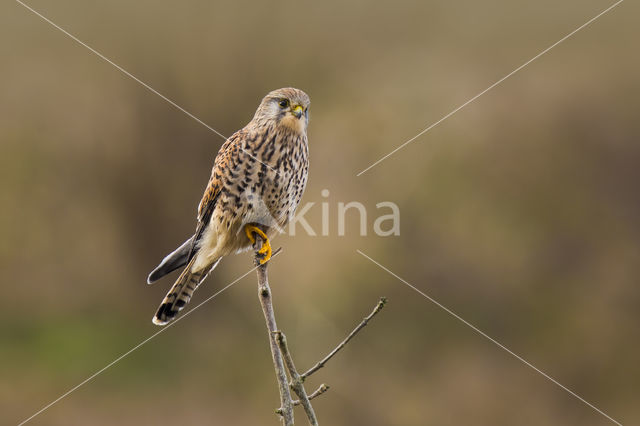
x,y
266,245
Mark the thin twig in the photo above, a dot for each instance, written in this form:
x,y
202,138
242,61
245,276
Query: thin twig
x,y
296,380
322,389
280,351
360,326
264,294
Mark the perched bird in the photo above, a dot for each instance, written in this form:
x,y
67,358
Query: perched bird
x,y
256,184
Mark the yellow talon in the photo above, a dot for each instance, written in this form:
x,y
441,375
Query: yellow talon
x,y
266,250
248,229
266,245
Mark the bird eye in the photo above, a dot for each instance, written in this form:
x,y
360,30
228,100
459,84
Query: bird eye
x,y
284,103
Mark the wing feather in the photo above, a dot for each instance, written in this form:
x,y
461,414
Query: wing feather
x,y
228,154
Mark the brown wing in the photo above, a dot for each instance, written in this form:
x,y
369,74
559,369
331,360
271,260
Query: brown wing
x,y
227,155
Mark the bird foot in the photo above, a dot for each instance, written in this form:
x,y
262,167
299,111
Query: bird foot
x,y
265,250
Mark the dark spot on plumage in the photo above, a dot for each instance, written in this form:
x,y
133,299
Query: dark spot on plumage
x,y
269,154
165,312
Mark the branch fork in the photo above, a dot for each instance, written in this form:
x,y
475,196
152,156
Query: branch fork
x,y
282,359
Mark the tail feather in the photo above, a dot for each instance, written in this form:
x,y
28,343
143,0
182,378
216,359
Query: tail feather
x,y
181,292
178,258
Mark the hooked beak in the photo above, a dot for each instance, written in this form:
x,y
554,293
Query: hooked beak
x,y
297,111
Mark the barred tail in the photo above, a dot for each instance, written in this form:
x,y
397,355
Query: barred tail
x,y
181,293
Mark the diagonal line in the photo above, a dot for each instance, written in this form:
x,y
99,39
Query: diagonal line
x,y
122,70
133,77
94,375
491,87
482,333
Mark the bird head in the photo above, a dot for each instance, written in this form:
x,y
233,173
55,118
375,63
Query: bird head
x,y
288,107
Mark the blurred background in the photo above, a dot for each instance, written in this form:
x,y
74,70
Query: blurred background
x,y
520,212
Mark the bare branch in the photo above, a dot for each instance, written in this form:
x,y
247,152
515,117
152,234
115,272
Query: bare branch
x,y
296,380
322,389
264,294
360,326
282,359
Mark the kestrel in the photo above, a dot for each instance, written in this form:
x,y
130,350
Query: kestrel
x,y
256,184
